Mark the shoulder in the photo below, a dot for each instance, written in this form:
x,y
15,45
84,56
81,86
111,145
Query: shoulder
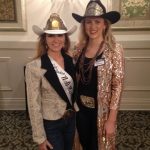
x,y
34,63
118,52
34,68
118,47
67,56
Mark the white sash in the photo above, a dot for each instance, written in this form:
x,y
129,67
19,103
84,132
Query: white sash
x,y
64,78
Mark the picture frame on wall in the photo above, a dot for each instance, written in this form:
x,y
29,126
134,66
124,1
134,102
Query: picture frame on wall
x,y
135,14
12,15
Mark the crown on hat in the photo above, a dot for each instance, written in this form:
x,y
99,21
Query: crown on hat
x,y
55,23
95,8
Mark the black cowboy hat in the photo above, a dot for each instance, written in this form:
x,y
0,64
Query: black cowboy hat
x,y
96,9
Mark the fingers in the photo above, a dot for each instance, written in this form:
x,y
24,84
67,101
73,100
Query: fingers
x,y
109,130
109,135
45,146
49,145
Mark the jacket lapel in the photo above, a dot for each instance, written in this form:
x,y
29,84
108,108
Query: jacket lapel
x,y
70,69
52,78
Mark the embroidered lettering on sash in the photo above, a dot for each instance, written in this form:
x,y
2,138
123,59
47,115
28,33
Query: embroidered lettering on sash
x,y
64,78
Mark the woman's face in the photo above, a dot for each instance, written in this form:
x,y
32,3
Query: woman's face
x,y
94,27
55,42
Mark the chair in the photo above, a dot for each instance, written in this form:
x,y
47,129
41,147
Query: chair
x,y
26,103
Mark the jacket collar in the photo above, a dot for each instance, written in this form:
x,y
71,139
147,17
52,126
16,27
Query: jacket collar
x,y
52,78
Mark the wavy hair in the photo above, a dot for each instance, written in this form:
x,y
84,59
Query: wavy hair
x,y
108,38
42,47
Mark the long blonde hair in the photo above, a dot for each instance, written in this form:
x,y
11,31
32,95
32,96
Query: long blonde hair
x,y
108,38
42,47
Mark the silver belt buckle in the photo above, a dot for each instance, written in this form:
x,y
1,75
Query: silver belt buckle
x,y
87,101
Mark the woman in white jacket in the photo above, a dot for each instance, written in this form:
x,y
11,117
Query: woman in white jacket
x,y
50,80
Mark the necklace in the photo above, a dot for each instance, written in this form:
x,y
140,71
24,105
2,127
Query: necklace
x,y
88,69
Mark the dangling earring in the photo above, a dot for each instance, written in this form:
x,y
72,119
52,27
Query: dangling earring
x,y
46,46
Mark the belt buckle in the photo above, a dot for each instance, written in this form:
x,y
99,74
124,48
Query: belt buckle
x,y
87,101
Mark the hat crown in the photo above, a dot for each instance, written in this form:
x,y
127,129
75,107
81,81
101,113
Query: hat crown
x,y
95,8
55,23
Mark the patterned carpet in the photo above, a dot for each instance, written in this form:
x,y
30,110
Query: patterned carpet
x,y
133,131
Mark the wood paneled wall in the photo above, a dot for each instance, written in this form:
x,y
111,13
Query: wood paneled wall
x,y
14,55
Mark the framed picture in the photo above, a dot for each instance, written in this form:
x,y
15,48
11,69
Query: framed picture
x,y
135,14
12,15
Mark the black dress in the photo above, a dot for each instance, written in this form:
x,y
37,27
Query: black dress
x,y
87,117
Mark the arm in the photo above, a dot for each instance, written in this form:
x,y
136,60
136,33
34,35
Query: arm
x,y
33,80
117,85
117,77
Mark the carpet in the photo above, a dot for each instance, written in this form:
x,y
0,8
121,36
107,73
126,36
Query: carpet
x,y
133,131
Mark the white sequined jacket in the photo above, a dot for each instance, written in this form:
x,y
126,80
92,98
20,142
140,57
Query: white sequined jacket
x,y
45,95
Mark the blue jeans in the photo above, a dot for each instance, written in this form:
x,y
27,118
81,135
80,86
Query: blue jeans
x,y
60,133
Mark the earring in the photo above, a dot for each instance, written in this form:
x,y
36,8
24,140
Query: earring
x,y
46,46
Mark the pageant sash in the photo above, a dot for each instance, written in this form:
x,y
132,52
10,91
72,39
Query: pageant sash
x,y
64,78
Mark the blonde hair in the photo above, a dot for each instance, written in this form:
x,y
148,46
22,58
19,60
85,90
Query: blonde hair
x,y
108,37
42,47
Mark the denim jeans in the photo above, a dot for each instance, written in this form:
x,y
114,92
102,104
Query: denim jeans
x,y
60,133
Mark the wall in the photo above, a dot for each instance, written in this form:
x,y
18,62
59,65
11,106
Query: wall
x,y
38,11
17,48
136,94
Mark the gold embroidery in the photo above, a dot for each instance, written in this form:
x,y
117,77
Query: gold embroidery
x,y
87,101
55,24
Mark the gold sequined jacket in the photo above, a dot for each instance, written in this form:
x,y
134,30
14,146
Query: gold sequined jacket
x,y
110,85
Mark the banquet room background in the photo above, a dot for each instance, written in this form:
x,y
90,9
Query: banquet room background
x,y
18,47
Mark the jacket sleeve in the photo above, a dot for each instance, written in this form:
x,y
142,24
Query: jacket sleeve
x,y
117,77
33,82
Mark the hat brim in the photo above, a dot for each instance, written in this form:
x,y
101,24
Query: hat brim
x,y
37,30
112,16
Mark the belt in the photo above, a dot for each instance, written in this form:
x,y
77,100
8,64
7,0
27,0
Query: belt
x,y
87,101
68,113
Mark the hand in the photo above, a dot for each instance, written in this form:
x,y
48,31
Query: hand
x,y
45,145
110,127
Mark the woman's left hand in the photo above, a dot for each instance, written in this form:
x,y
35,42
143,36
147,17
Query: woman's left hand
x,y
110,127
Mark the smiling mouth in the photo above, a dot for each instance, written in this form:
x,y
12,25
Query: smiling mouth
x,y
93,32
56,45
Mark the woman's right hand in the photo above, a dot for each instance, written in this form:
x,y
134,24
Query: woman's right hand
x,y
45,145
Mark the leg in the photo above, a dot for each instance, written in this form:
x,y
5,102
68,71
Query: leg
x,y
83,127
94,138
54,135
69,133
